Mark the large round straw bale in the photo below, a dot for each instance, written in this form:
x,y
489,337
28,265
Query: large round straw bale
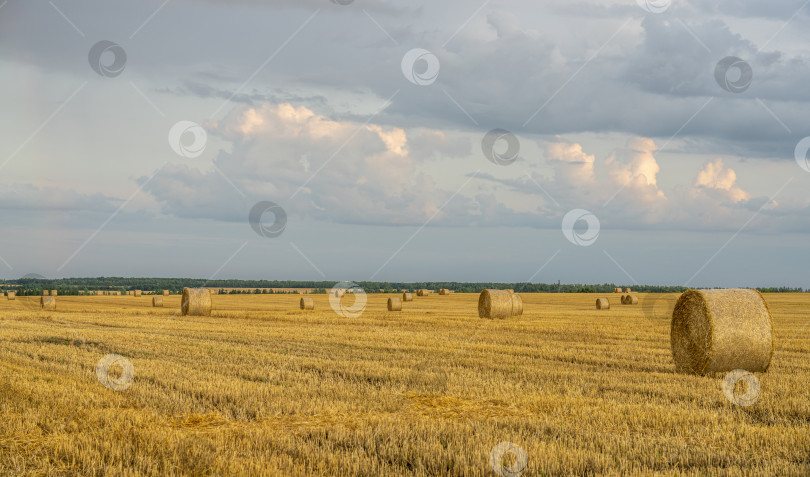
x,y
394,304
157,301
165,292
721,330
11,295
617,290
196,302
407,296
138,293
517,304
631,300
307,303
627,290
47,303
602,304
495,304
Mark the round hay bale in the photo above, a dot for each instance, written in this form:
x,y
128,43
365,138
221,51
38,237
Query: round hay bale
x,y
617,290
631,300
602,304
394,304
624,299
407,296
138,293
47,303
46,293
54,293
11,295
165,292
627,290
517,304
307,303
444,291
157,302
196,302
495,304
721,330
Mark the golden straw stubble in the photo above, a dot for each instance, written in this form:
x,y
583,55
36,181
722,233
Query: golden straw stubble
x,y
394,304
721,330
47,303
306,303
157,301
495,304
602,304
196,302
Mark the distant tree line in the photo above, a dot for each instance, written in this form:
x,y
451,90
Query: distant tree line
x,y
73,286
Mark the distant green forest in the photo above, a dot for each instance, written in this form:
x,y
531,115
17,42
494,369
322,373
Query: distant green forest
x,y
72,286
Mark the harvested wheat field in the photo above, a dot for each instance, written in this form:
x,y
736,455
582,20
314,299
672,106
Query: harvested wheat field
x,y
113,386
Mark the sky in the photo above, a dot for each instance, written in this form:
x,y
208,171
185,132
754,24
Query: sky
x,y
627,142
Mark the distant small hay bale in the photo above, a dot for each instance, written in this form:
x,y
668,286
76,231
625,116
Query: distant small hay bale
x,y
407,297
307,303
46,293
99,293
339,293
602,304
11,295
157,302
394,304
196,302
630,300
721,330
54,292
627,290
165,292
138,293
617,290
495,304
423,292
47,303
444,291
